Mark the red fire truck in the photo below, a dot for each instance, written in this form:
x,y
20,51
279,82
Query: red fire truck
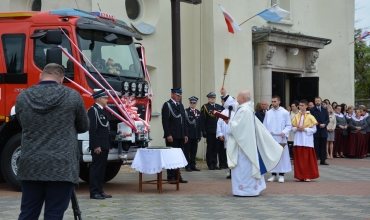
x,y
29,41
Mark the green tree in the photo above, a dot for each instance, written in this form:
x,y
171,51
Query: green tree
x,y
362,68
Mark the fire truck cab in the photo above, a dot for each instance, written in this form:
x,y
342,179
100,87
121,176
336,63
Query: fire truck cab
x,y
29,41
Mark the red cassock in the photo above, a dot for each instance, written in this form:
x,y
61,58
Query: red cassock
x,y
340,142
357,145
305,163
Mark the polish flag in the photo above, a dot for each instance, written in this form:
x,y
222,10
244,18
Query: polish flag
x,y
232,25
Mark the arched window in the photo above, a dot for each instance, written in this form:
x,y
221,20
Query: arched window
x,y
133,9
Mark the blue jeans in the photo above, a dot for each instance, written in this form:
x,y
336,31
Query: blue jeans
x,y
56,196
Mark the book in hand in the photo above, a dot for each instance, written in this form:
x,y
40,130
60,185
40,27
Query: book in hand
x,y
220,115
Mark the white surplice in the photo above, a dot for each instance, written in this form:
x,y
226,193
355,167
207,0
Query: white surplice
x,y
247,135
278,121
223,129
304,139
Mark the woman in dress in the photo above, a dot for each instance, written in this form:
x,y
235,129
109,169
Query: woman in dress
x,y
330,127
333,105
350,113
258,107
341,133
343,109
324,104
357,140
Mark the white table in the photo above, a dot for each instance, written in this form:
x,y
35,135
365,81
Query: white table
x,y
152,161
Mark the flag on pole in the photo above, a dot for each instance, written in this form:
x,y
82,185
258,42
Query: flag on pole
x,y
232,25
274,13
364,35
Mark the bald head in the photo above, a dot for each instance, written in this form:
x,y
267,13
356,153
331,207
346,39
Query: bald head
x,y
244,96
264,105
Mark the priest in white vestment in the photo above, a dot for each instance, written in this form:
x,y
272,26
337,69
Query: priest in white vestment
x,y
277,122
248,140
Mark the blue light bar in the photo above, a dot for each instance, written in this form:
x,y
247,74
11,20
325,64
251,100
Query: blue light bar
x,y
72,12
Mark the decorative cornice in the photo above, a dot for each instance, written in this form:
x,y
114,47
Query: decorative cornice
x,y
278,36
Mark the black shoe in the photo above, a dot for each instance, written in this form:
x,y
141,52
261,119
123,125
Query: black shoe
x,y
223,167
228,177
105,195
188,169
171,178
97,196
217,168
195,169
323,163
183,181
211,168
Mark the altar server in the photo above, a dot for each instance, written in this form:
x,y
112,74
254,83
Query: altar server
x,y
277,121
304,126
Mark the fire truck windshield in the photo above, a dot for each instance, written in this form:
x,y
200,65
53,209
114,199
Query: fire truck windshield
x,y
116,57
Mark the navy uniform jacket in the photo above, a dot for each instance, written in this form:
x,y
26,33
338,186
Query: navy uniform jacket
x,y
98,134
260,115
207,119
176,127
322,117
193,129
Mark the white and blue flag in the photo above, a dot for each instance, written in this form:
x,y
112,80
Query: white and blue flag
x,y
273,14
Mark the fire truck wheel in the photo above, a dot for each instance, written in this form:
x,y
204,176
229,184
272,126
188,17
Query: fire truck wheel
x,y
9,161
110,172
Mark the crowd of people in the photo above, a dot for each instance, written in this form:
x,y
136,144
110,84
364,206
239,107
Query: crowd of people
x,y
308,133
348,128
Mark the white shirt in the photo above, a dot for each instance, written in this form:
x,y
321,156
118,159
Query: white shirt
x,y
101,107
223,129
174,101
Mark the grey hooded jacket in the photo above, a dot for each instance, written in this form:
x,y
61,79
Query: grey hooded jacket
x,y
51,115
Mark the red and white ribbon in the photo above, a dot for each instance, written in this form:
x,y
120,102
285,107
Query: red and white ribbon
x,y
122,111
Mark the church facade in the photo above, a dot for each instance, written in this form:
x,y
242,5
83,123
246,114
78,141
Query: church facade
x,y
304,55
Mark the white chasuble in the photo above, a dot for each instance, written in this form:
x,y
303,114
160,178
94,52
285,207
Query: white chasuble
x,y
247,135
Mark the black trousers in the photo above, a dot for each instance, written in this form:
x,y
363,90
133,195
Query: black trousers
x,y
176,143
97,171
290,146
320,148
55,194
222,159
212,150
190,151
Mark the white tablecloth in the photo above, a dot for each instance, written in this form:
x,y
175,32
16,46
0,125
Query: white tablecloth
x,y
151,161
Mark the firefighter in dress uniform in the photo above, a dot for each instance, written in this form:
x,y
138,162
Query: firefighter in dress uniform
x,y
209,129
99,143
174,126
192,116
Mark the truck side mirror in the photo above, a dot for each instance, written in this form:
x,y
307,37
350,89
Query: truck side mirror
x,y
54,55
54,37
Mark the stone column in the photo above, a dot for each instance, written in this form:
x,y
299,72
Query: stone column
x,y
263,72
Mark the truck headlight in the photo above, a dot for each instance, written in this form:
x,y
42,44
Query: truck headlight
x,y
146,87
133,87
126,86
139,87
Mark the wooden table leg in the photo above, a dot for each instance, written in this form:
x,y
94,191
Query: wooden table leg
x,y
159,180
140,182
178,179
